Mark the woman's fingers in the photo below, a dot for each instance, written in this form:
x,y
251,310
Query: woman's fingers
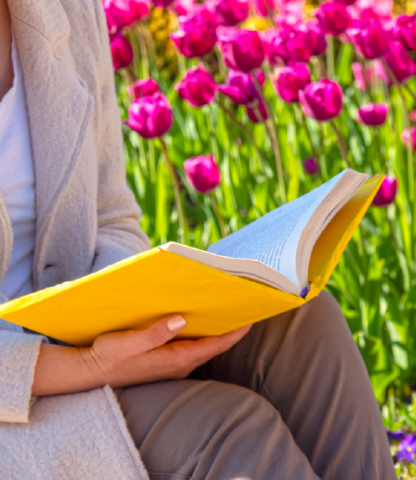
x,y
160,333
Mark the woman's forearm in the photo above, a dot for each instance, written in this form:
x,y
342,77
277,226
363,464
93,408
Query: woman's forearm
x,y
62,370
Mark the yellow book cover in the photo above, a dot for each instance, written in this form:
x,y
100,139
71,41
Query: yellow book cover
x,y
142,289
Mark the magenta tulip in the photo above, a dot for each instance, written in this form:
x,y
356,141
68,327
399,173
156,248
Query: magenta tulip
x,y
183,7
121,52
197,87
262,7
292,79
412,116
410,136
317,40
258,113
126,12
111,23
373,114
311,166
361,76
400,62
243,49
321,100
370,38
143,88
203,173
240,87
150,116
271,40
162,3
333,17
196,35
404,31
294,45
386,193
230,13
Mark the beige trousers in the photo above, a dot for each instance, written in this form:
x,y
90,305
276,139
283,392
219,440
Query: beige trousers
x,y
291,401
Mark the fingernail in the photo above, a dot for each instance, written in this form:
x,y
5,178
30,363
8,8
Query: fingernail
x,y
176,323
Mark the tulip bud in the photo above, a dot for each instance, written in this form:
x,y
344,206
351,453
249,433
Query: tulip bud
x,y
317,40
196,35
203,173
240,87
333,17
321,100
413,116
242,49
292,79
150,116
404,31
125,12
121,52
373,114
197,87
311,166
361,76
257,113
386,193
400,62
270,39
143,88
370,38
410,136
230,13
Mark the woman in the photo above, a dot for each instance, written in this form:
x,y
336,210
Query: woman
x,y
288,399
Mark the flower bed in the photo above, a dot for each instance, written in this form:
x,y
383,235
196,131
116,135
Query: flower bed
x,y
233,122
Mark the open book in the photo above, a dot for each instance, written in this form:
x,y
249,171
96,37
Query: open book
x,y
276,263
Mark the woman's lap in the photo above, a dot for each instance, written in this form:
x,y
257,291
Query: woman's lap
x,y
307,367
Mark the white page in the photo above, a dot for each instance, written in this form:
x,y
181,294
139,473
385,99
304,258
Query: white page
x,y
273,238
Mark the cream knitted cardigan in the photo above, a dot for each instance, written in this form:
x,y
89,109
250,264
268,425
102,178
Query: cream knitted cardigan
x,y
86,219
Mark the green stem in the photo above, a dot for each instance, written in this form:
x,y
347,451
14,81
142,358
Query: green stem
x,y
218,214
308,134
246,133
330,61
274,139
183,233
410,172
378,146
144,59
341,144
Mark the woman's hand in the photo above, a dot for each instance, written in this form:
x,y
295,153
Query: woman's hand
x,y
131,357
127,358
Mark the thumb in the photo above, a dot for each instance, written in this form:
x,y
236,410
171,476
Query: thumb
x,y
162,332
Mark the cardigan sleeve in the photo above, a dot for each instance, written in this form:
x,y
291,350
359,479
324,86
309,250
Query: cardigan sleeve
x,y
18,356
119,234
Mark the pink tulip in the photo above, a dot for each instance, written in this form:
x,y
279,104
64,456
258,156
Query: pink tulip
x,y
257,114
317,38
242,49
183,7
404,31
196,35
162,3
400,62
230,13
271,40
410,136
293,44
333,17
311,166
197,87
143,88
203,173
387,192
240,87
413,116
292,79
360,76
111,23
126,12
121,52
262,7
321,100
370,38
371,9
150,116
373,114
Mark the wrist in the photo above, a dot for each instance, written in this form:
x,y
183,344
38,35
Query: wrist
x,y
93,368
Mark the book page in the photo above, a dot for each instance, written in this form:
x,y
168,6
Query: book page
x,y
273,239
